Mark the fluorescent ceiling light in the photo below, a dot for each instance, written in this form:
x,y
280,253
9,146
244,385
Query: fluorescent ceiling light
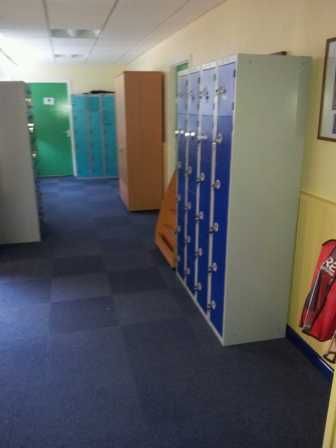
x,y
74,33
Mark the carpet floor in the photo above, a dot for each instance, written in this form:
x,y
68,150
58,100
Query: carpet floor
x,y
100,347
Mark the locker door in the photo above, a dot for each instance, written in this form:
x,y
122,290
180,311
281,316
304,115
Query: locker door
x,y
97,162
193,167
182,161
79,109
205,137
220,187
110,137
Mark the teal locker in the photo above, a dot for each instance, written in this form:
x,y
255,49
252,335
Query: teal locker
x,y
95,135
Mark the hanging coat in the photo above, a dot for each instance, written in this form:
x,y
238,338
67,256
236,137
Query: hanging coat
x,y
318,318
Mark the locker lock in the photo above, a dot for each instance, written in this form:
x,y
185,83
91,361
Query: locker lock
x,y
179,229
179,165
213,268
217,184
211,306
202,137
188,171
187,271
189,206
219,139
187,240
214,228
199,216
200,178
179,198
199,252
198,287
221,90
204,93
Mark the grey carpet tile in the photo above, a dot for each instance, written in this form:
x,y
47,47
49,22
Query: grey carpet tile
x,y
85,264
23,323
82,315
129,259
73,287
120,243
25,292
25,269
77,247
135,280
99,351
146,307
28,251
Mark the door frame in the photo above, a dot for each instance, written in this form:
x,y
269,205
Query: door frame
x,y
71,127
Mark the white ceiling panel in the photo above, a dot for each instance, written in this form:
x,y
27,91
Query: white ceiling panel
x,y
89,14
70,46
128,27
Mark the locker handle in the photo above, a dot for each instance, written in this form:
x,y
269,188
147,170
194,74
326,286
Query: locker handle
x,y
213,268
200,178
198,287
221,90
199,252
211,306
219,139
217,184
199,216
202,137
190,134
214,228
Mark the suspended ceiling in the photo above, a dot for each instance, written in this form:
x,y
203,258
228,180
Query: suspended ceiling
x,y
113,31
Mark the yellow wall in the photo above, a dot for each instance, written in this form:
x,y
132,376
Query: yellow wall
x,y
264,26
82,77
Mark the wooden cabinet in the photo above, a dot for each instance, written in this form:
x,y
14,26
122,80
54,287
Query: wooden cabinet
x,y
140,134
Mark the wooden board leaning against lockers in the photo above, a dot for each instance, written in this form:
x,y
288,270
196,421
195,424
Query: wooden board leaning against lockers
x,y
240,139
140,139
95,135
19,195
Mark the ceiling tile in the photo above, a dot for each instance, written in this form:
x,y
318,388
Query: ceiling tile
x,y
85,14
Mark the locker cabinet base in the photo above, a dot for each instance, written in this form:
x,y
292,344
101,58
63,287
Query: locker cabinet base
x,y
200,309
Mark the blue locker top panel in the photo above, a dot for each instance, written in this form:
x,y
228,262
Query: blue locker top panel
x,y
182,94
208,88
226,88
194,92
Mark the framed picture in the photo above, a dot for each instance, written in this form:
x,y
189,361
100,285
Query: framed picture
x,y
327,123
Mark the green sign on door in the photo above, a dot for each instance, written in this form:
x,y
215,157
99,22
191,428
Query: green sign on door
x,y
51,111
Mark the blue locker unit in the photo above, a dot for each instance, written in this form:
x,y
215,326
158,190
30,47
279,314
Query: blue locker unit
x,y
81,134
240,128
182,161
192,171
108,110
95,135
220,184
207,96
95,130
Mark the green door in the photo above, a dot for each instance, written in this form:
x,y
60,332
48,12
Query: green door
x,y
51,111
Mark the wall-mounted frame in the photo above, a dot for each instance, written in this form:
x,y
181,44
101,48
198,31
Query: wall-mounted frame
x,y
327,121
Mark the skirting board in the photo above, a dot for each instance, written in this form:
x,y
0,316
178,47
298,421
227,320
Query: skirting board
x,y
309,353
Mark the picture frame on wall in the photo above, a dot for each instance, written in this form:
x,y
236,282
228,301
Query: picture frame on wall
x,y
327,121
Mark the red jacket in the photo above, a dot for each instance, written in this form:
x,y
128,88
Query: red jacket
x,y
318,318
